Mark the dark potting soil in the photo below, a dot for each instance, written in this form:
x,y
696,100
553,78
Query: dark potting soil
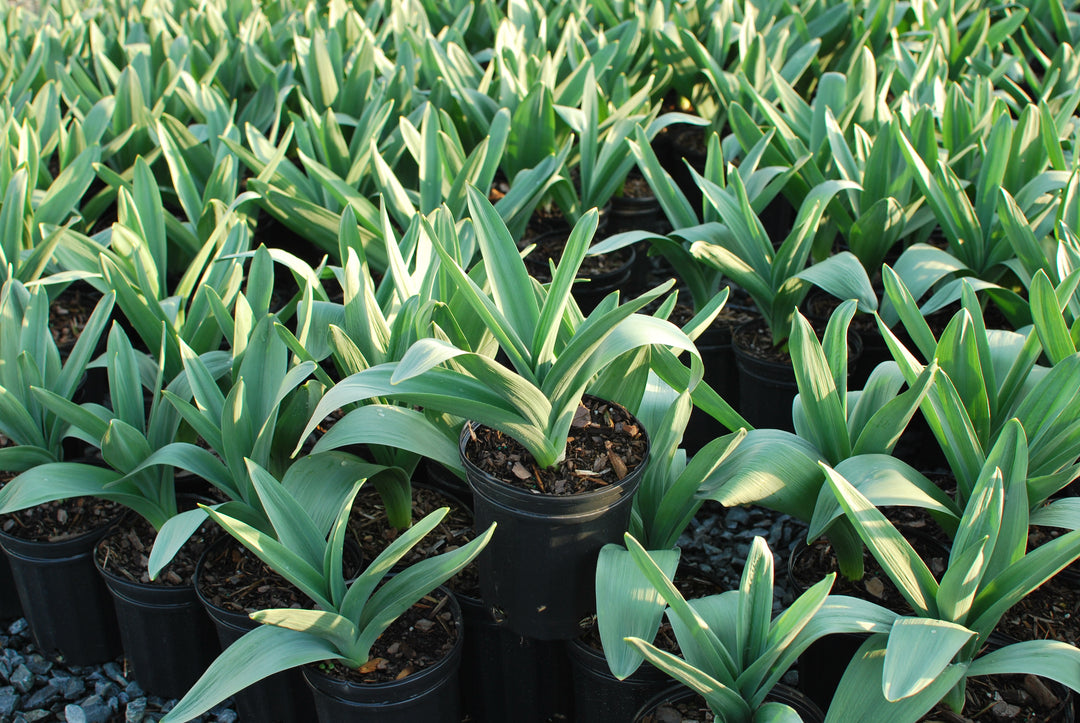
x,y
372,532
691,710
1006,699
551,249
126,552
60,520
757,340
69,312
604,445
636,187
811,564
420,638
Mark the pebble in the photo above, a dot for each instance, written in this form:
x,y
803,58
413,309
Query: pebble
x,y
43,697
113,670
135,711
9,700
70,686
22,679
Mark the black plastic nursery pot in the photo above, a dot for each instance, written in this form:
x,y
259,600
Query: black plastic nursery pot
x,y
168,639
63,598
431,695
722,376
539,569
600,696
281,698
10,607
766,387
636,213
807,711
508,677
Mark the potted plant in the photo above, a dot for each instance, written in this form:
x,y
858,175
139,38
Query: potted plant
x,y
348,618
856,430
128,434
611,681
555,354
48,573
932,653
735,651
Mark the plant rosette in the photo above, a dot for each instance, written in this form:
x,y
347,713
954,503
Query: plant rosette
x,y
557,527
431,630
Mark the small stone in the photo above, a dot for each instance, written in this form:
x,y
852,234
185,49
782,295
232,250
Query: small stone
x,y
736,517
22,679
106,689
226,716
8,703
87,713
43,697
38,665
135,711
19,627
5,669
32,716
70,687
134,690
113,670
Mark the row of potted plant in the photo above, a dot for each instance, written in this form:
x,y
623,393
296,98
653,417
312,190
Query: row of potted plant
x,y
422,315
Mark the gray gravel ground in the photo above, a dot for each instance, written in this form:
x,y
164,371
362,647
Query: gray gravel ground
x,y
34,688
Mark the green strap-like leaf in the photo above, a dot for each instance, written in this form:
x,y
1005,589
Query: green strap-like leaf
x,y
393,426
282,560
1049,323
257,655
292,525
721,698
860,697
918,652
1047,658
506,270
402,591
895,555
826,422
627,605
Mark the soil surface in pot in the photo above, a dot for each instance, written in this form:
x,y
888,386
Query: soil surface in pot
x,y
811,564
1005,699
60,520
420,638
605,443
235,579
126,551
372,532
637,187
757,340
1052,610
551,249
69,312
